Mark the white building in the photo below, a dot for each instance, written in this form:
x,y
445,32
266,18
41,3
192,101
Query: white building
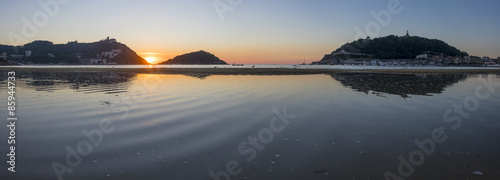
x,y
117,51
28,53
109,54
343,52
422,56
17,56
466,59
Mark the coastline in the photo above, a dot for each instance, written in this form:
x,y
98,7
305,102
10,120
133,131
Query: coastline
x,y
253,71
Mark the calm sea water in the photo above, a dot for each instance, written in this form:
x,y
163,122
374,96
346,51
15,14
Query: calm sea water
x,y
112,125
289,66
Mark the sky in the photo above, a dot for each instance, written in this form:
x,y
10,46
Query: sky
x,y
251,31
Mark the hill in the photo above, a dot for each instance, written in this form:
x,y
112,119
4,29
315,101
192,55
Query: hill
x,y
394,47
199,57
107,51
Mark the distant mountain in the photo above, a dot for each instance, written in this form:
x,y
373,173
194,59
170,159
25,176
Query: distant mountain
x,y
45,52
394,47
199,57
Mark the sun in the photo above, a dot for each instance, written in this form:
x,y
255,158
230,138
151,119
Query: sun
x,y
150,59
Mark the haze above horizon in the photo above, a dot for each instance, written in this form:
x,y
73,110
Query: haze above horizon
x,y
251,32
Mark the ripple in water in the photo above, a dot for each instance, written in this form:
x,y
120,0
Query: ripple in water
x,y
348,126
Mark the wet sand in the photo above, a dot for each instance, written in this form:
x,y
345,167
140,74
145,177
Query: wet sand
x,y
168,126
256,71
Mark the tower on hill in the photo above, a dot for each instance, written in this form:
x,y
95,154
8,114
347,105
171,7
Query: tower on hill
x,y
407,34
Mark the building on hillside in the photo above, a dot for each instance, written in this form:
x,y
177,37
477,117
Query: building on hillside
x,y
17,56
109,54
3,56
476,60
117,51
345,53
92,61
489,63
422,56
466,60
28,53
110,40
407,34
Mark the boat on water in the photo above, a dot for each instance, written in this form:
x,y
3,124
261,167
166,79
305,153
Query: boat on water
x,y
234,64
304,63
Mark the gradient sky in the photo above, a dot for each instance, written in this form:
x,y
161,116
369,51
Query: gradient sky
x,y
255,31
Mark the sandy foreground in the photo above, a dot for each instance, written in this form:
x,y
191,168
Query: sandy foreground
x,y
255,71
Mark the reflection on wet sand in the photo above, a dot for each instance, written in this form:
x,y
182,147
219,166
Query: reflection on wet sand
x,y
87,82
200,76
370,83
398,84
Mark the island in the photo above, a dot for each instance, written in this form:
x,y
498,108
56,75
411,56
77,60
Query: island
x,y
198,57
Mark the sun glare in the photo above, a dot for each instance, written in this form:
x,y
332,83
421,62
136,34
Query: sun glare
x,y
150,59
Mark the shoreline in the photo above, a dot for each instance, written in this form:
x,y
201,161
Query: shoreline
x,y
252,71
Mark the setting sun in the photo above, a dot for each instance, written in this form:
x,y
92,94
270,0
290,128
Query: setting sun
x,y
150,59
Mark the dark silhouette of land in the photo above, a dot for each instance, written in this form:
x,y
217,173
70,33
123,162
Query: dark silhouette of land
x,y
199,57
106,51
